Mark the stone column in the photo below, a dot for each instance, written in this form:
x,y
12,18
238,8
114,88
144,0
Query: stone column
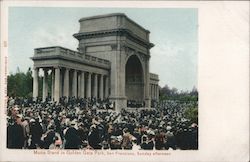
x,y
95,86
147,85
157,92
154,91
106,87
101,87
89,85
151,91
45,84
61,83
52,84
79,85
82,84
57,85
35,83
74,84
66,83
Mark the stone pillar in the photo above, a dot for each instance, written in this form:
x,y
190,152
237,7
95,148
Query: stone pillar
x,y
82,84
89,85
79,85
157,92
45,84
57,85
74,84
61,83
66,83
152,95
147,85
153,91
35,83
52,84
95,86
106,87
101,87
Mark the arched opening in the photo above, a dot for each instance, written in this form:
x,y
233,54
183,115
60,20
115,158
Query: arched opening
x,y
134,80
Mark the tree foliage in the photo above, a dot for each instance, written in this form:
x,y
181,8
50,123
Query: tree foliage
x,y
192,114
167,93
20,84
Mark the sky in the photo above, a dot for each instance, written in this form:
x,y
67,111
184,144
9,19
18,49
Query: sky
x,y
174,31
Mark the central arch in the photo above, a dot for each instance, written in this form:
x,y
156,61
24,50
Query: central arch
x,y
134,79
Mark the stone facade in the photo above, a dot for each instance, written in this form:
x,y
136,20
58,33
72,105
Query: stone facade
x,y
112,62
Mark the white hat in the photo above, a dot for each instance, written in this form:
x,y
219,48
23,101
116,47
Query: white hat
x,y
194,125
150,132
73,122
169,128
19,116
16,108
92,126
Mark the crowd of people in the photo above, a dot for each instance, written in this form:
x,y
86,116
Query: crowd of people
x,y
93,124
135,104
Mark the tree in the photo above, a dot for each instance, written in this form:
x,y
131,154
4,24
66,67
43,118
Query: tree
x,y
192,114
174,91
194,91
165,90
29,83
20,84
167,93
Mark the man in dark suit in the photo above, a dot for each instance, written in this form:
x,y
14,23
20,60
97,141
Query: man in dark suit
x,y
36,132
73,141
49,138
94,138
16,134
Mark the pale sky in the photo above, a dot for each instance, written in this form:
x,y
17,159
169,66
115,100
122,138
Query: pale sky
x,y
173,31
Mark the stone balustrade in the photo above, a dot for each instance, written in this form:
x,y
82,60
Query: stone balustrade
x,y
154,77
60,51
